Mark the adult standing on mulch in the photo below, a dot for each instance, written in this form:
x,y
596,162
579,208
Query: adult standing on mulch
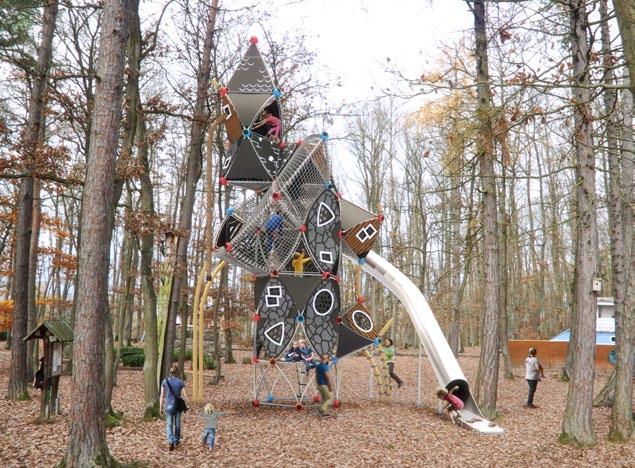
x,y
533,373
172,405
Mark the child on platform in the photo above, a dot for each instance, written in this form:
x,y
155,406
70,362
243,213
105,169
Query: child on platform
x,y
452,402
210,419
273,124
308,356
293,355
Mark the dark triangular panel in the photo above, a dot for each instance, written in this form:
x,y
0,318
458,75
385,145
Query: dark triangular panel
x,y
245,164
248,106
231,226
268,152
300,288
348,341
286,155
251,76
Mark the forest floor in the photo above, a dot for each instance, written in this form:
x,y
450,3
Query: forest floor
x,y
363,431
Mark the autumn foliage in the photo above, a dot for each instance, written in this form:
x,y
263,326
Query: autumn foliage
x,y
6,315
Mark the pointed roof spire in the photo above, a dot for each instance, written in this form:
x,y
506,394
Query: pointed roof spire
x,y
251,76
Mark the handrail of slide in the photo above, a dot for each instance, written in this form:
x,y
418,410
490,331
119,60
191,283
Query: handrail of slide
x,y
443,362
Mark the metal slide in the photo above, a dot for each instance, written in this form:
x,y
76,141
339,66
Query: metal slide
x,y
443,362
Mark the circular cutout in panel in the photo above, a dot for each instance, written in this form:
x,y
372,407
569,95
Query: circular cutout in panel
x,y
362,321
323,302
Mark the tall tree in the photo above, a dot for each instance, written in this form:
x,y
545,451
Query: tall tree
x,y
194,169
487,375
622,414
577,424
87,439
17,379
625,12
145,236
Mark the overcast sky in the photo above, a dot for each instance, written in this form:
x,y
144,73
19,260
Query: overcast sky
x,y
353,38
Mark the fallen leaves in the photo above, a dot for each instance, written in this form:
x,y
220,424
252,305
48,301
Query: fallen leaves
x,y
364,432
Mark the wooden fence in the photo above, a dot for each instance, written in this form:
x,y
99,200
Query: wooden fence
x,y
553,354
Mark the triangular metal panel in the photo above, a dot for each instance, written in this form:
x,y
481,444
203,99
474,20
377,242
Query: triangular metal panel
x,y
245,164
352,214
249,106
251,76
300,288
268,153
348,341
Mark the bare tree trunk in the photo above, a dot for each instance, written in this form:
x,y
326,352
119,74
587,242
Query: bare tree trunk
x,y
454,336
17,380
625,12
150,393
622,415
194,168
487,375
87,438
503,256
148,293
32,349
126,330
110,364
577,424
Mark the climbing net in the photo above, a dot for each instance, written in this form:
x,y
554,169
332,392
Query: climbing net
x,y
272,222
288,384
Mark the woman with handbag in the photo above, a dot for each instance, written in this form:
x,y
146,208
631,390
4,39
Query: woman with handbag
x,y
172,405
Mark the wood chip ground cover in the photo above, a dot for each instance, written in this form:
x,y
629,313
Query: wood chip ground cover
x,y
364,431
